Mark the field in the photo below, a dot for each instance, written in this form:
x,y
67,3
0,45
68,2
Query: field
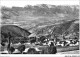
x,y
70,52
60,50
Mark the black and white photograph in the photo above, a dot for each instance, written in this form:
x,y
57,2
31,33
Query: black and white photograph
x,y
39,27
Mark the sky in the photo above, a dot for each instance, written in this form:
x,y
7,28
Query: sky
x,y
22,3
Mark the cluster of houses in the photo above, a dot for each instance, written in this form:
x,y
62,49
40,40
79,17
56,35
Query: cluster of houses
x,y
30,46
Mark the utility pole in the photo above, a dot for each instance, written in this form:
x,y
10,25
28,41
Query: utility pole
x,y
55,39
9,42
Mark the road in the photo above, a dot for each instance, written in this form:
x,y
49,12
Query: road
x,y
70,52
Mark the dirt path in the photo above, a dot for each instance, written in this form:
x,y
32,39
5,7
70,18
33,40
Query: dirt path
x,y
70,52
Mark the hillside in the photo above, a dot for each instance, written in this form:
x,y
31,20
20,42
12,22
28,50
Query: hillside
x,y
37,15
66,28
42,19
16,33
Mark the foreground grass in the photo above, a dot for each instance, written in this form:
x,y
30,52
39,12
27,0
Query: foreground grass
x,y
59,49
